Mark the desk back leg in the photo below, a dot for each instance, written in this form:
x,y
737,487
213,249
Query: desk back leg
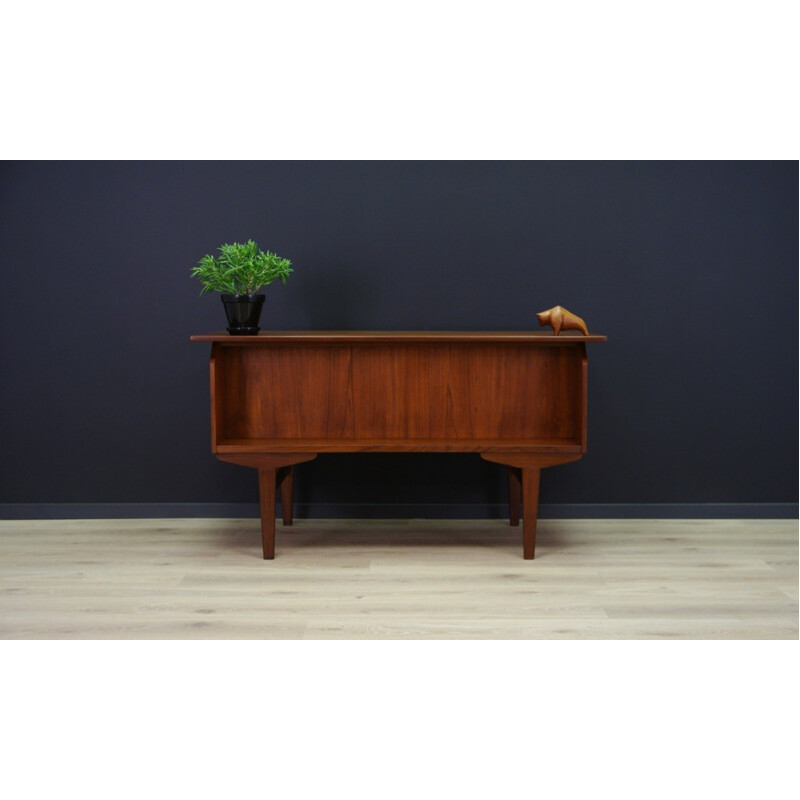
x,y
286,482
514,495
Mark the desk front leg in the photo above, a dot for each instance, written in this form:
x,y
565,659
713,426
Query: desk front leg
x,y
273,468
266,495
530,509
525,469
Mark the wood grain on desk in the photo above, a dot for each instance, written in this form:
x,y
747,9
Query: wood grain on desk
x,y
396,394
517,398
393,446
366,337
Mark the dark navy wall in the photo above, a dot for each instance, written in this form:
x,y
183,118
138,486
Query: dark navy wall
x,y
690,268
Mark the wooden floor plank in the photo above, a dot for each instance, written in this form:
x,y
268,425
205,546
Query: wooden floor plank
x,y
398,579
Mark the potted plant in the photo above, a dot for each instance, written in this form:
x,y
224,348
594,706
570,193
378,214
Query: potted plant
x,y
238,273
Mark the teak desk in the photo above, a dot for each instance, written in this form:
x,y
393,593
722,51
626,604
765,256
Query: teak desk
x,y
281,397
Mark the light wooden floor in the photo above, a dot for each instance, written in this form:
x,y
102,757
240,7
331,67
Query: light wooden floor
x,y
408,579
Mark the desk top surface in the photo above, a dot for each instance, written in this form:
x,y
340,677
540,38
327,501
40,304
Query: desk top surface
x,y
399,337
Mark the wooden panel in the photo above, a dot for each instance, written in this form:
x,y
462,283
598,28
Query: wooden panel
x,y
440,396
465,392
216,398
287,393
582,408
400,391
513,392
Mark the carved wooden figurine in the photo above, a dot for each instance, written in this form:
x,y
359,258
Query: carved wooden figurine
x,y
561,319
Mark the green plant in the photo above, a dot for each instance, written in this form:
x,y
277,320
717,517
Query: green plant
x,y
240,269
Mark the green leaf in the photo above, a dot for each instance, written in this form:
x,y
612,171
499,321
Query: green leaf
x,y
240,269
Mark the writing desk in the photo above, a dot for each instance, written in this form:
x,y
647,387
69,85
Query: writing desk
x,y
279,398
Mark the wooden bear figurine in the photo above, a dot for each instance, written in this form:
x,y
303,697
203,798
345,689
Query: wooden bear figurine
x,y
561,319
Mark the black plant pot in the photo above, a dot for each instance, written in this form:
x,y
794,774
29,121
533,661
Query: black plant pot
x,y
244,312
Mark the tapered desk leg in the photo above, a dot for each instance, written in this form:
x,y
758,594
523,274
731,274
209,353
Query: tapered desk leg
x,y
530,465
273,468
514,492
530,509
287,495
266,493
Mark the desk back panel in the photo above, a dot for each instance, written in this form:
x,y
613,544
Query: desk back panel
x,y
442,396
